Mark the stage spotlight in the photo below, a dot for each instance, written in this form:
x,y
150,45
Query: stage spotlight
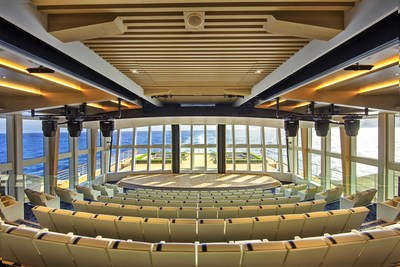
x,y
351,125
322,127
74,127
107,128
49,128
291,126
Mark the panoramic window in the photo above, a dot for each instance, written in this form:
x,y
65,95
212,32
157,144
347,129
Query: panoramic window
x,y
336,171
63,173
335,140
83,140
397,139
34,177
315,140
3,141
367,138
82,168
64,141
366,176
32,139
316,168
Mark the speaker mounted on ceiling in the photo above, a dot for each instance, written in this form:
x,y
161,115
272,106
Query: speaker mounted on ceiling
x,y
194,20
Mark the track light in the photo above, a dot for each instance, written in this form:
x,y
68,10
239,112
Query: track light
x,y
322,126
74,127
49,127
107,127
291,126
352,125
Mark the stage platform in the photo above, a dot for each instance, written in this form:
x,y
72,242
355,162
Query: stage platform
x,y
200,181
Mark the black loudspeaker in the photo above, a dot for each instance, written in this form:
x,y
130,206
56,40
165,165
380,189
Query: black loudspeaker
x,y
74,128
351,126
49,128
322,127
106,128
291,127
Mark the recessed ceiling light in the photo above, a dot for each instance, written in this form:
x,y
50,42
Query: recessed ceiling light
x,y
4,77
135,71
258,71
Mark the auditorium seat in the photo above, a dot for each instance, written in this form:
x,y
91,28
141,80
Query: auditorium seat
x,y
67,195
227,212
394,256
129,201
168,212
174,203
252,202
112,209
305,252
302,207
42,215
378,247
148,212
88,251
158,203
267,201
308,193
174,255
238,229
357,217
114,187
129,210
79,205
314,224
281,200
336,221
207,213
187,212
155,229
237,203
267,210
130,253
183,230
285,209
102,198
263,254
219,254
42,199
53,247
189,203
95,207
104,225
247,211
211,230
343,249
265,227
290,225
130,228
62,220
105,191
82,223
317,205
222,203
144,202
87,192
293,199
117,200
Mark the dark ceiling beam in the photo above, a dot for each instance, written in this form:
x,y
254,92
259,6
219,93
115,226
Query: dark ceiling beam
x,y
18,40
383,33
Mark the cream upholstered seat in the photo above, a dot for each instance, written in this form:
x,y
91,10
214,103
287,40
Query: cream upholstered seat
x,y
42,215
363,198
257,254
112,209
114,187
104,225
293,190
174,255
183,230
308,193
155,229
80,205
265,227
219,254
42,199
211,230
88,193
62,220
148,212
331,195
290,226
82,223
357,217
129,253
19,240
11,209
130,228
227,212
336,221
266,210
88,251
238,229
314,224
302,207
305,252
95,207
389,210
187,212
168,212
67,195
207,213
285,209
105,191
247,211
129,210
317,205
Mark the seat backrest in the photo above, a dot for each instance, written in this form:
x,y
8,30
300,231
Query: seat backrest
x,y
265,227
155,229
129,210
53,247
105,225
336,221
61,220
148,212
247,211
302,207
168,212
305,252
314,223
211,230
183,230
238,229
317,205
130,228
227,212
88,251
112,209
82,223
80,205
42,215
221,255
174,254
290,225
267,210
255,254
357,217
285,209
207,213
187,212
95,207
129,253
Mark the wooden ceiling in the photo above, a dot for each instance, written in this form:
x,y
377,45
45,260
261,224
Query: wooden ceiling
x,y
186,51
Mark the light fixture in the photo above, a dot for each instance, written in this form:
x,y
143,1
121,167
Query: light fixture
x,y
122,103
358,67
291,126
135,71
4,77
20,87
258,71
352,124
74,127
322,125
107,127
95,105
49,127
378,86
40,69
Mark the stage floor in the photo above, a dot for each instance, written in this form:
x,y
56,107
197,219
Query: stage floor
x,y
203,181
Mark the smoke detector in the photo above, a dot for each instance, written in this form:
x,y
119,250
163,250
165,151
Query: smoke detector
x,y
194,20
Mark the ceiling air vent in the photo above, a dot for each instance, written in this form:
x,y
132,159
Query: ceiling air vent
x,y
194,20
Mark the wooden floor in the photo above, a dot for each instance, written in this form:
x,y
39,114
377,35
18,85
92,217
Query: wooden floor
x,y
199,181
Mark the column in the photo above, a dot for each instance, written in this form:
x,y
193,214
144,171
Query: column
x,y
221,148
176,144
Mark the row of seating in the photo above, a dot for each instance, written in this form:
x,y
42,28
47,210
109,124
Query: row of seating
x,y
42,199
197,213
201,191
199,198
201,203
205,230
41,248
358,199
99,190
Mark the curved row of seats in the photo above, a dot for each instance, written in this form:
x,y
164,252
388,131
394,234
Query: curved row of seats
x,y
202,191
202,203
41,248
199,198
205,230
197,213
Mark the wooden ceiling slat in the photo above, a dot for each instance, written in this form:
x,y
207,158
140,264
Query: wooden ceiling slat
x,y
127,47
